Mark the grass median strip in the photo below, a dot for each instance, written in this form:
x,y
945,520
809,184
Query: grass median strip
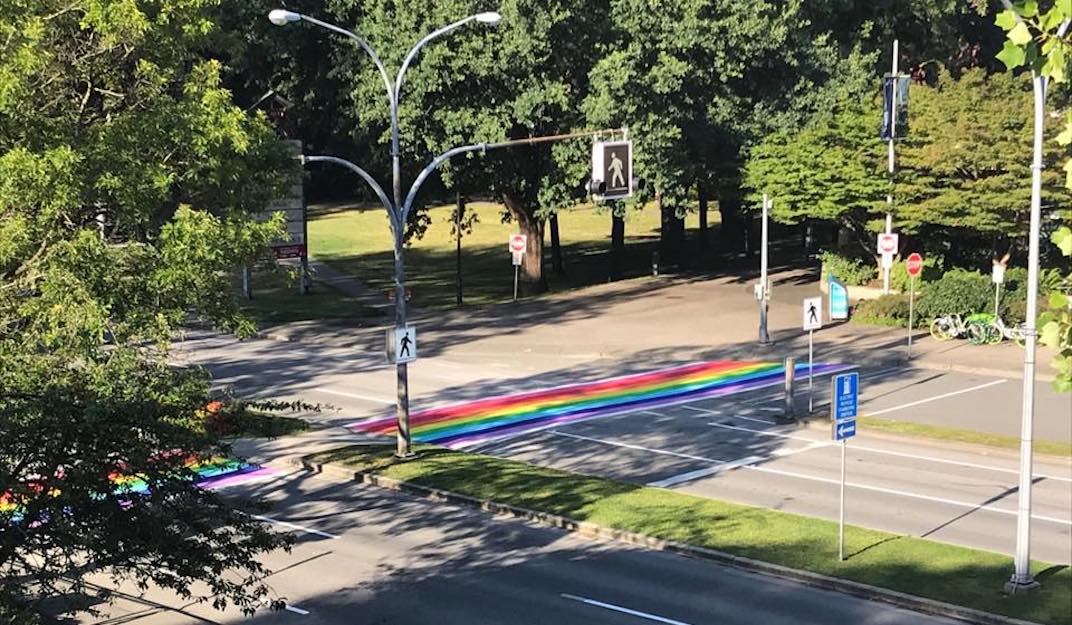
x,y
958,575
1050,448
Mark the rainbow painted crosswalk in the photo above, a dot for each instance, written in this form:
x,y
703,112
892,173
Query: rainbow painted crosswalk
x,y
472,423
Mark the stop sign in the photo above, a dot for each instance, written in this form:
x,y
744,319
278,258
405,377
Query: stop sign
x,y
914,264
517,243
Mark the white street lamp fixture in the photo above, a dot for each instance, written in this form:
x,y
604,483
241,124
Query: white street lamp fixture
x,y
491,18
280,17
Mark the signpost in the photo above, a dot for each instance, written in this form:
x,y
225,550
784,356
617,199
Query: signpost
x,y
997,276
518,242
763,290
887,247
914,265
839,299
813,320
844,402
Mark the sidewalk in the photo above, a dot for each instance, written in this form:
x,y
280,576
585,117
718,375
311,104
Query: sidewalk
x,y
680,318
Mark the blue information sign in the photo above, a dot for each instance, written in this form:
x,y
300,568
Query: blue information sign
x,y
844,398
839,299
844,429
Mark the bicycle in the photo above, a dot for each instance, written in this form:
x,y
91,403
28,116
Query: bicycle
x,y
979,328
995,331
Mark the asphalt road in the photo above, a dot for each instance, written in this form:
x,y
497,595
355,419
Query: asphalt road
x,y
728,448
378,557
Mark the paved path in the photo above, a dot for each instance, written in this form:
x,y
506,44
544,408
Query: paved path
x,y
381,557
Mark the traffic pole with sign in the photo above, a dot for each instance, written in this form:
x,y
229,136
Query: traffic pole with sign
x,y
914,265
844,401
997,276
813,320
762,293
517,245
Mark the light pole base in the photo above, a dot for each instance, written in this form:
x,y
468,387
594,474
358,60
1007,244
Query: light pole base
x,y
406,456
1016,587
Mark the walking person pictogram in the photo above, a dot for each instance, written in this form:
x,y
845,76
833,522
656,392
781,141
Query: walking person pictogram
x,y
406,342
617,177
813,313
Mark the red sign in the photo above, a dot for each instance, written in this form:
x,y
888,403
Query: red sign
x,y
517,243
887,243
914,264
290,251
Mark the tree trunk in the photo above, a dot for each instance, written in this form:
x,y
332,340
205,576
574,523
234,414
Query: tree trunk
x,y
459,216
556,247
617,245
532,264
701,192
733,228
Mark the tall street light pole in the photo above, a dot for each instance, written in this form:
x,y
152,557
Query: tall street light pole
x,y
1021,578
397,211
891,161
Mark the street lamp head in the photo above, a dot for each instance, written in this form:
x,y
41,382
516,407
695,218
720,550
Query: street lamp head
x,y
280,17
491,18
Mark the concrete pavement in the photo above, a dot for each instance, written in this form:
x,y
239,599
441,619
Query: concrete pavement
x,y
383,557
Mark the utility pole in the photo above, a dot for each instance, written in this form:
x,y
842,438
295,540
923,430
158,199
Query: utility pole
x,y
761,292
892,159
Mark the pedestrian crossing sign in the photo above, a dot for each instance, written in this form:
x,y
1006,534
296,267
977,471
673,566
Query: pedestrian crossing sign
x,y
612,165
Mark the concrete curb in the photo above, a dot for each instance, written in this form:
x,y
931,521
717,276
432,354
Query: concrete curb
x,y
598,532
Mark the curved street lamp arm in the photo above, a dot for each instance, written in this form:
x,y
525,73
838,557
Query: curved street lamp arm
x,y
366,176
431,167
364,46
420,44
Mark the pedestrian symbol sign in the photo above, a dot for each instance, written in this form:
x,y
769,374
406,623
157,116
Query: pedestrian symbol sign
x,y
844,398
612,165
402,344
813,313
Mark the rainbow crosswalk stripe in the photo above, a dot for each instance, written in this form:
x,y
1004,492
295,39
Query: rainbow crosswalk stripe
x,y
467,424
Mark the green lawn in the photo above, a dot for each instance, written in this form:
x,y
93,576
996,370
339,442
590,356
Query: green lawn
x,y
276,300
356,239
949,573
1051,448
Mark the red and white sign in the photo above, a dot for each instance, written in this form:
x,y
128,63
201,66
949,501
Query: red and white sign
x,y
887,243
518,242
914,264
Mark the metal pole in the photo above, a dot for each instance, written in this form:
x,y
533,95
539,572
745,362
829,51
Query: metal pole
x,y
790,378
764,336
517,271
841,513
247,286
997,299
403,442
892,159
1021,578
811,351
911,311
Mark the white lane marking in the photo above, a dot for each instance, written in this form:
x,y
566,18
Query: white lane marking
x,y
329,391
297,610
637,447
764,409
618,608
719,413
293,526
936,398
899,454
814,478
699,473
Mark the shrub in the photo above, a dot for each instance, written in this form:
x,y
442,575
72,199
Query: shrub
x,y
889,309
848,270
958,291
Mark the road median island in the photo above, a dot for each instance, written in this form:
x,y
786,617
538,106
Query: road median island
x,y
960,435
911,572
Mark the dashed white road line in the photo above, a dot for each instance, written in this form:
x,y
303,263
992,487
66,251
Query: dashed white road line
x,y
622,610
296,610
716,413
691,476
936,398
637,447
379,400
293,526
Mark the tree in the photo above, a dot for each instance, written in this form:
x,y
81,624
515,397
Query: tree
x,y
127,181
955,188
524,78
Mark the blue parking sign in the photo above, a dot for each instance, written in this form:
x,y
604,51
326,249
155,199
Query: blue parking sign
x,y
844,398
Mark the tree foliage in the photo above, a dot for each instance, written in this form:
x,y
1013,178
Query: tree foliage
x,y
127,177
